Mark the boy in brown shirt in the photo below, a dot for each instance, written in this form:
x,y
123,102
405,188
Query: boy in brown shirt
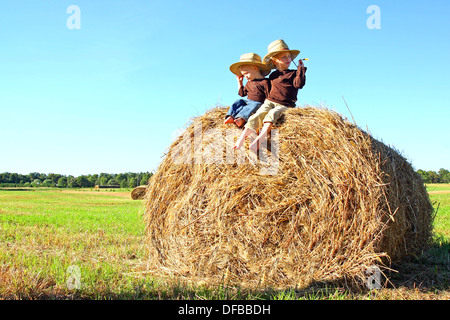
x,y
285,84
256,89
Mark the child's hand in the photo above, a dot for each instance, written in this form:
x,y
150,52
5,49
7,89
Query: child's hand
x,y
240,78
300,63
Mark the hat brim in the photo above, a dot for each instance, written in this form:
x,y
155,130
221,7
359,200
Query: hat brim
x,y
264,69
268,61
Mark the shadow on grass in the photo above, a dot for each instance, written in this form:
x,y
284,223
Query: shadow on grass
x,y
430,272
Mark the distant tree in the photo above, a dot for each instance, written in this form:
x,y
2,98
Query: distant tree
x,y
132,183
84,182
23,178
92,180
103,180
95,179
34,176
54,177
433,177
13,178
27,178
121,177
424,175
36,183
62,182
47,183
124,184
72,182
444,175
144,178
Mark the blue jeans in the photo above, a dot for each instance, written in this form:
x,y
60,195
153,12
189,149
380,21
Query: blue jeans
x,y
243,108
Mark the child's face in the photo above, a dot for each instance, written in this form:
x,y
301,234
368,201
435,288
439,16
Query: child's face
x,y
249,71
282,60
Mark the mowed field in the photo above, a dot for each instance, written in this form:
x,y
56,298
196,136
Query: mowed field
x,y
88,244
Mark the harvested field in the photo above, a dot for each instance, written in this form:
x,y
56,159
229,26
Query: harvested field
x,y
439,192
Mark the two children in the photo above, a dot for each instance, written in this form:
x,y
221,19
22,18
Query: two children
x,y
284,86
256,89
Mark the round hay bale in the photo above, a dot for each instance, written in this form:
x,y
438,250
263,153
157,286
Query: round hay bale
x,y
337,203
138,193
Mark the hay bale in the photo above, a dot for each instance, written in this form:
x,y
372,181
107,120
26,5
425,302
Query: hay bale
x,y
339,202
138,193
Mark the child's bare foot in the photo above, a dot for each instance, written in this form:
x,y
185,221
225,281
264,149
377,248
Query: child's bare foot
x,y
230,119
239,122
267,127
239,143
254,146
241,139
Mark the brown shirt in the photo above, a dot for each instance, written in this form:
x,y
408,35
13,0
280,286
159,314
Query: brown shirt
x,y
256,90
285,85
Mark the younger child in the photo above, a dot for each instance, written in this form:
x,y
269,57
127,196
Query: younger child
x,y
285,84
256,89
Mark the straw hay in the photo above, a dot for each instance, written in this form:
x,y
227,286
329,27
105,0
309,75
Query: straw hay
x,y
338,203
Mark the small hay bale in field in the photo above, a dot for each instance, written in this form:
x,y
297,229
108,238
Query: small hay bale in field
x,y
338,202
138,193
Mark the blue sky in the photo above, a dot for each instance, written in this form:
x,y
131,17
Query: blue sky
x,y
110,96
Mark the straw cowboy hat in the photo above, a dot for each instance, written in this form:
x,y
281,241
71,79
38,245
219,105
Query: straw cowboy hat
x,y
250,59
275,48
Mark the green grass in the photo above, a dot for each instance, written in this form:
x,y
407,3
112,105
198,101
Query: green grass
x,y
438,187
440,197
44,232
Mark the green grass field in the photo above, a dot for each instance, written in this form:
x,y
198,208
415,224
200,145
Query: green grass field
x,y
88,244
440,194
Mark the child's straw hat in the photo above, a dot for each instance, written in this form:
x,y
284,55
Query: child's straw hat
x,y
275,48
250,59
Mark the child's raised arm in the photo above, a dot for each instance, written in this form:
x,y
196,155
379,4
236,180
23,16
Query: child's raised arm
x,y
240,81
300,77
241,89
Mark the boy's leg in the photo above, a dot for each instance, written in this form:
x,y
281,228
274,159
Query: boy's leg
x,y
239,143
270,118
247,111
254,123
254,146
235,108
274,114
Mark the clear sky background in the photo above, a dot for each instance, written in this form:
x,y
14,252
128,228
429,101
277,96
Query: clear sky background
x,y
111,96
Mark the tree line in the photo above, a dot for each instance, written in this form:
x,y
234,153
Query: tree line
x,y
35,179
130,180
442,176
